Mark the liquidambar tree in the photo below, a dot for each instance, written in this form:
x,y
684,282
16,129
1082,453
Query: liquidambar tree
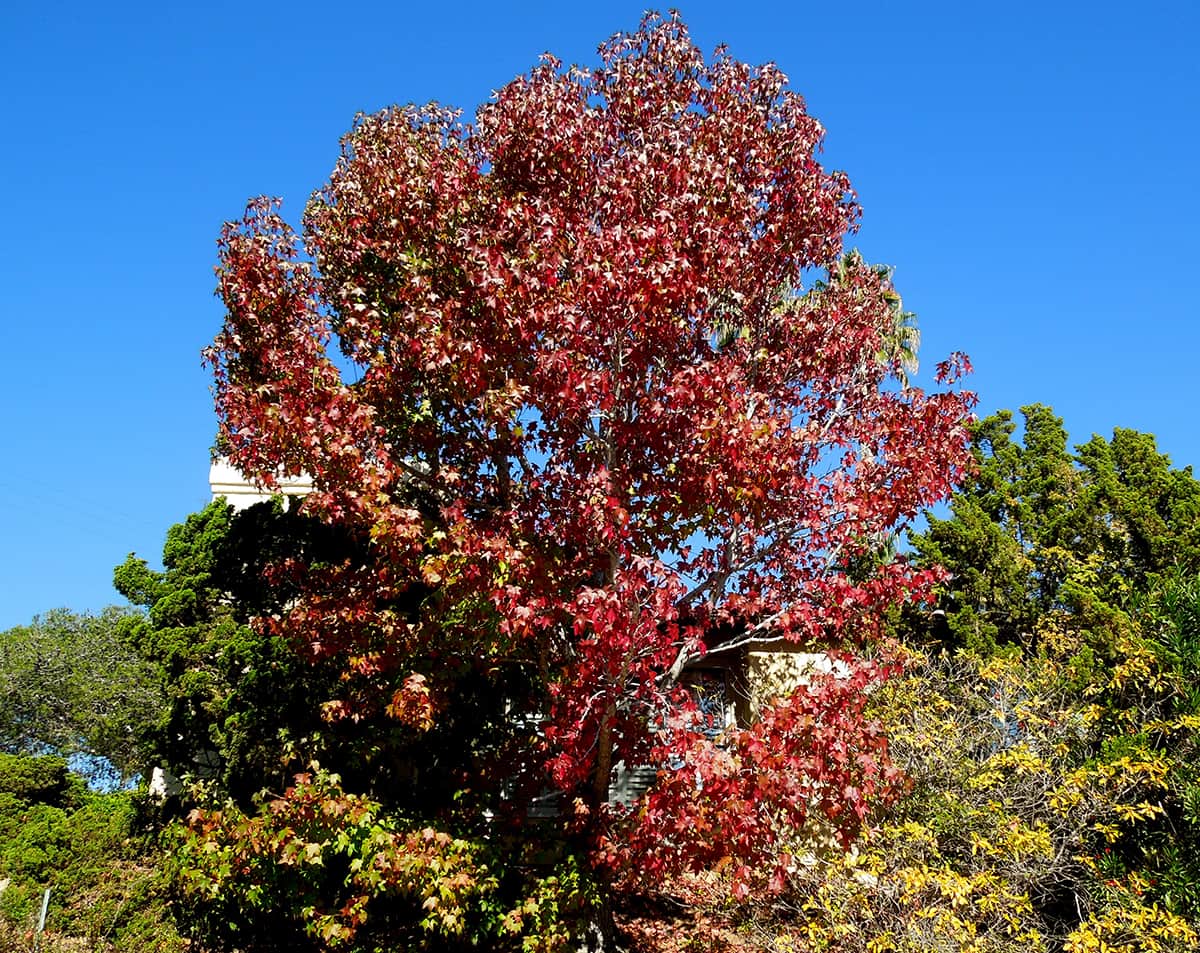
x,y
595,428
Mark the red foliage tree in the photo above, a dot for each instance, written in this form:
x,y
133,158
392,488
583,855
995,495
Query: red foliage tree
x,y
584,401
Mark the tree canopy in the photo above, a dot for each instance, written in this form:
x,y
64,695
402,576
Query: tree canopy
x,y
1041,537
70,686
234,697
593,429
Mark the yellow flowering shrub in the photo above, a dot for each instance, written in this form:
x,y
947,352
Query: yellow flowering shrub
x,y
1028,786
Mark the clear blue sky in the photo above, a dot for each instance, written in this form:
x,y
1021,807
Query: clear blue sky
x,y
1030,168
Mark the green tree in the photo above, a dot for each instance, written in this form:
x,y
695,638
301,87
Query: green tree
x,y
1042,539
1145,513
1172,625
70,686
237,698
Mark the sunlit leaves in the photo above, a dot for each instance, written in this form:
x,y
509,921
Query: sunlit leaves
x,y
593,420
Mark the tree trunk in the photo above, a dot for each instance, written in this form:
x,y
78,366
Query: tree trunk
x,y
600,934
604,762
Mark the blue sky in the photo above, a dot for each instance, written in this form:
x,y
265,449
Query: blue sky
x,y
1029,168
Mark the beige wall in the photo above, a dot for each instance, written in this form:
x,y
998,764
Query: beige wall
x,y
771,675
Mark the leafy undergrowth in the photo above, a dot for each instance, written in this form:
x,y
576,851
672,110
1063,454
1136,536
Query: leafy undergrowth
x,y
688,917
107,891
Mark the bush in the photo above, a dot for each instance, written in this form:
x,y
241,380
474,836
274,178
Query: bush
x,y
44,780
89,850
